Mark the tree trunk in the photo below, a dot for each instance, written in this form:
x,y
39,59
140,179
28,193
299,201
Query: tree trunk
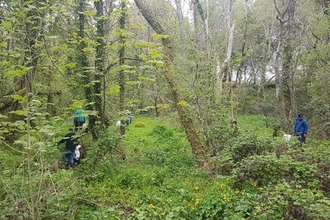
x,y
83,66
285,101
223,71
99,58
243,50
180,18
199,36
33,28
185,119
122,23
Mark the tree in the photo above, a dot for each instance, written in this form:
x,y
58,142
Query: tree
x,y
181,105
288,25
99,59
83,65
223,73
122,23
33,24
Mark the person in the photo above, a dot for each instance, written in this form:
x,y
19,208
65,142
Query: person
x,y
300,128
70,146
128,121
79,119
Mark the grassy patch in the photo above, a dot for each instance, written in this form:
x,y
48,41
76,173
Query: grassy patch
x,y
256,124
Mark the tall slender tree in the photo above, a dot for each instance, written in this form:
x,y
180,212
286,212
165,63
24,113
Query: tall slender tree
x,y
83,65
32,32
122,46
99,58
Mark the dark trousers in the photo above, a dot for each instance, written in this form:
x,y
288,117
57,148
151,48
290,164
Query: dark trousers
x,y
301,138
69,156
78,124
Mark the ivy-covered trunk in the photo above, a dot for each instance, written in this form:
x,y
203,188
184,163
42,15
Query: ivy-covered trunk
x,y
286,99
122,22
83,65
99,58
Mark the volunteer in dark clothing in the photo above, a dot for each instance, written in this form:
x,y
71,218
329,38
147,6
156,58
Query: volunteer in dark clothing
x,y
70,146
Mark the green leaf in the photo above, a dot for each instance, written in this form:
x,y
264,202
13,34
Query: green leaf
x,y
147,79
159,36
19,112
156,63
4,63
17,72
154,54
7,25
133,83
18,97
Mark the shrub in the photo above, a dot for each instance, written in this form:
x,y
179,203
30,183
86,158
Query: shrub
x,y
162,132
285,201
268,169
140,124
247,145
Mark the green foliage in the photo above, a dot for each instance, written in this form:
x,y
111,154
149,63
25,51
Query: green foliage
x,y
292,201
99,158
258,125
30,159
182,200
138,179
162,132
247,145
268,169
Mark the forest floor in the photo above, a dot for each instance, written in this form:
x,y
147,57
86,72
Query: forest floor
x,y
151,174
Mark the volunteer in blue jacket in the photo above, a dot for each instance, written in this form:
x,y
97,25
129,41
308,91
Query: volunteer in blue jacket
x,y
300,128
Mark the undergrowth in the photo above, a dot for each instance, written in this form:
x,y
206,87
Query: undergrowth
x,y
151,174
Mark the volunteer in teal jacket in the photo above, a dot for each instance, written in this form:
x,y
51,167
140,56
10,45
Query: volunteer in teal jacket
x,y
79,118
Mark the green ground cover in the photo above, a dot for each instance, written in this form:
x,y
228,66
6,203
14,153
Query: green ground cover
x,y
151,174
